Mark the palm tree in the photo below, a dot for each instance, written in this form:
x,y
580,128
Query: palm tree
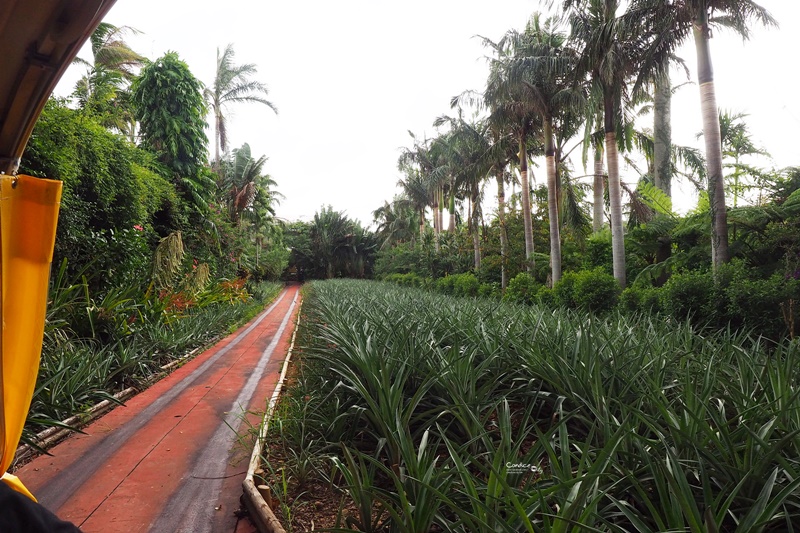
x,y
697,17
544,65
103,90
397,221
662,132
241,180
501,153
615,50
472,150
415,188
511,109
598,188
736,14
426,172
232,84
606,56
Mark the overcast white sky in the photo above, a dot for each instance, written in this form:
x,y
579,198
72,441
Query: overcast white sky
x,y
351,77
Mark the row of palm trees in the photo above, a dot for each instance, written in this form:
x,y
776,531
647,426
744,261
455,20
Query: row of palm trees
x,y
545,85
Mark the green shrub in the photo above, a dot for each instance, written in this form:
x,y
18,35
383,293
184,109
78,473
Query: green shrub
x,y
465,284
403,258
445,285
271,264
759,304
522,289
491,269
596,290
640,299
564,290
489,290
598,252
546,296
693,295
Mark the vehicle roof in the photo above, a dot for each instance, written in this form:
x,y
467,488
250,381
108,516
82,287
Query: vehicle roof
x,y
38,41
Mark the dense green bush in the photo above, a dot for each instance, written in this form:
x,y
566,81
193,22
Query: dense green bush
x,y
564,290
546,296
523,289
113,201
489,290
691,295
445,285
593,290
271,264
598,252
400,259
465,284
596,290
491,269
761,304
640,299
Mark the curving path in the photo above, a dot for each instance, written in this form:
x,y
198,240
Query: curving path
x,y
170,460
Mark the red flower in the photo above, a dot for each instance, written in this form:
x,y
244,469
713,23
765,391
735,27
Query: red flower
x,y
137,227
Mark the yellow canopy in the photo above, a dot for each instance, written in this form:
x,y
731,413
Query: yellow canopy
x,y
28,217
38,41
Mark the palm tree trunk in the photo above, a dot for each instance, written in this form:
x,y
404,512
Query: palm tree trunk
x,y
441,209
712,138
217,164
662,133
476,243
501,216
526,203
421,225
435,213
598,211
615,195
451,208
552,202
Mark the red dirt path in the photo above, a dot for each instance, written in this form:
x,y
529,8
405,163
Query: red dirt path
x,y
168,461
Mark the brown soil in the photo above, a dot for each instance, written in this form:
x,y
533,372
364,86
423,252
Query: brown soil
x,y
307,504
314,505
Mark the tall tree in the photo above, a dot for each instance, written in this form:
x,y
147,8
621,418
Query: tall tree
x,y
103,90
662,132
397,221
618,48
242,178
415,187
232,84
426,174
545,66
511,109
598,187
471,150
696,17
607,56
736,14
168,103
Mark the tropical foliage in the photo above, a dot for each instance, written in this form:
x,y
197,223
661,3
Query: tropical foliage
x,y
232,84
331,245
155,253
